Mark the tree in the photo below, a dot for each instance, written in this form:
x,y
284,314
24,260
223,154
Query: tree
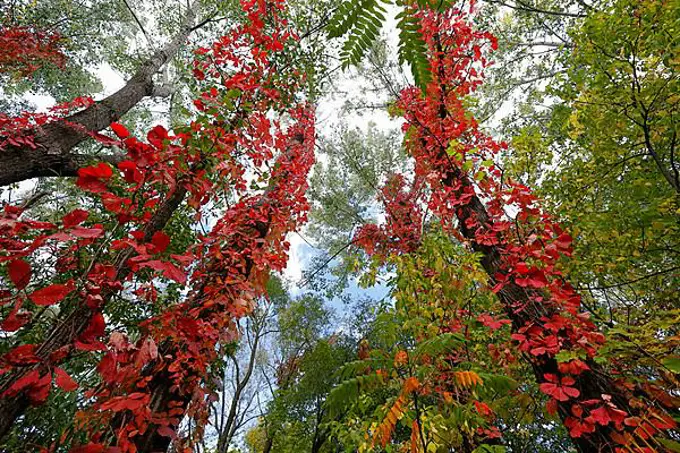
x,y
455,160
230,420
308,355
611,185
46,151
509,319
159,168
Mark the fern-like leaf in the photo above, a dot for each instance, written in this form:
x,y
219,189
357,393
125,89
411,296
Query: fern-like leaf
x,y
348,392
395,412
468,379
362,21
439,345
412,46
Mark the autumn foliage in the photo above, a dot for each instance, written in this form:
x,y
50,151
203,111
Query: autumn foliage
x,y
519,244
127,249
239,169
24,50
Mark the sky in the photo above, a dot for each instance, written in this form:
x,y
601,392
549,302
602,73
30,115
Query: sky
x,y
328,119
345,86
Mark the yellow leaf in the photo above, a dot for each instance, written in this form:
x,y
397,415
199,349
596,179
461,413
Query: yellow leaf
x,y
467,379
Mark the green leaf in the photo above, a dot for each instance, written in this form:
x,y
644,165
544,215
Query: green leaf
x,y
670,444
672,364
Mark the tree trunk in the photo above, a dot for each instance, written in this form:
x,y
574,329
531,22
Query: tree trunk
x,y
68,330
268,443
65,331
229,428
56,140
166,394
592,384
320,434
473,217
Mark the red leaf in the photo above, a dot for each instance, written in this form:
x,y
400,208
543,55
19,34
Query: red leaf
x,y
166,431
120,130
89,346
22,355
102,170
579,427
161,241
38,392
632,421
169,270
147,352
561,392
60,354
64,381
132,402
483,409
107,366
89,448
130,171
608,413
90,178
51,294
522,268
20,273
75,217
491,323
571,391
95,329
87,233
564,241
601,416
554,390
157,135
16,319
26,381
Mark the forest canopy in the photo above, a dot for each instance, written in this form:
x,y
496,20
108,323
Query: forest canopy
x,y
281,226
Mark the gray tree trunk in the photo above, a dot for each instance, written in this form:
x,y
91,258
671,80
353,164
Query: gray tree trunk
x,y
56,140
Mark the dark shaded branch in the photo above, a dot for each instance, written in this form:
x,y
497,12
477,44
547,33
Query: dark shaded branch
x,y
56,140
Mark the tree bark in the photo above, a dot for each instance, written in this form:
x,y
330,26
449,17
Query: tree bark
x,y
320,434
165,394
229,428
593,383
268,443
56,140
66,331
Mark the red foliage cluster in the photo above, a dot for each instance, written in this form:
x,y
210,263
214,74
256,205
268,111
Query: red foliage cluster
x,y
401,230
252,140
520,244
25,50
19,131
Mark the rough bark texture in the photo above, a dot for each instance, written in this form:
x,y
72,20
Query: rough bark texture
x,y
163,390
54,158
56,140
593,383
66,331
